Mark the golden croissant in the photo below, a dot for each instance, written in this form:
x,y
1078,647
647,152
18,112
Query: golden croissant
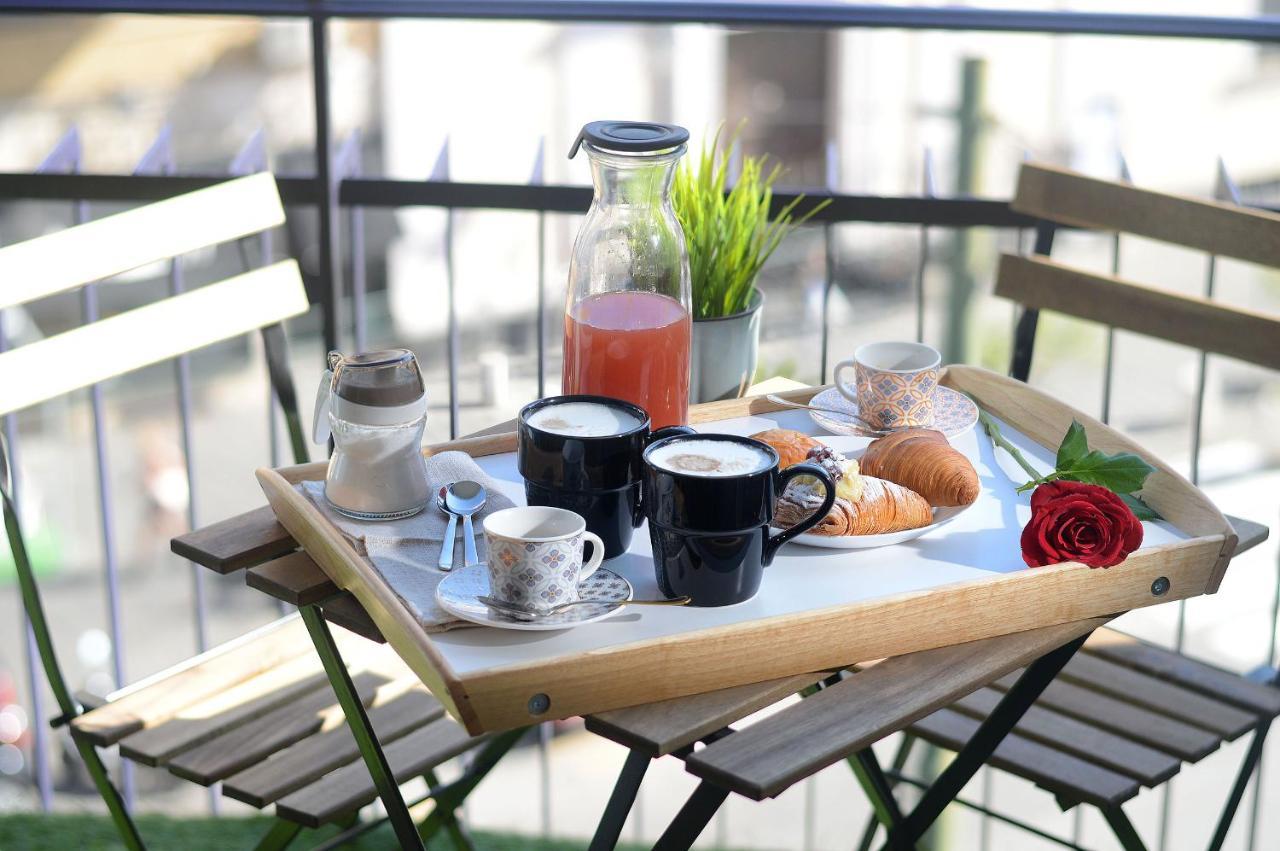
x,y
883,507
923,460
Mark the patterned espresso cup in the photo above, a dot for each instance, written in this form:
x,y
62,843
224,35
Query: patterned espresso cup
x,y
894,383
535,555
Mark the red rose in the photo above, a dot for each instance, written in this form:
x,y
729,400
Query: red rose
x,y
1071,521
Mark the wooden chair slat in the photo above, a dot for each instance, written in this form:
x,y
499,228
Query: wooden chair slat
x,y
346,611
57,365
203,720
1185,741
248,744
1060,773
659,728
104,247
294,578
767,757
1071,198
1147,765
1128,684
1250,534
392,716
1236,332
235,543
350,787
1190,673
164,695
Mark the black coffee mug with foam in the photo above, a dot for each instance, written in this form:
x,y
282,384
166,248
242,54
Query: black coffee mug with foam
x,y
597,475
710,527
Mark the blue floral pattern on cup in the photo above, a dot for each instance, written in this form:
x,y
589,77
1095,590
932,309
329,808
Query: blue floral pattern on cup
x,y
535,575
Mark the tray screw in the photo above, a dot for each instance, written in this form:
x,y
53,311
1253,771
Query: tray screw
x,y
1160,587
539,703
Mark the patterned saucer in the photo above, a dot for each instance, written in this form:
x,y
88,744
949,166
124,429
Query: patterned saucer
x,y
458,591
953,413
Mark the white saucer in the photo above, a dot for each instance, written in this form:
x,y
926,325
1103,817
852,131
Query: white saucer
x,y
953,413
457,594
941,517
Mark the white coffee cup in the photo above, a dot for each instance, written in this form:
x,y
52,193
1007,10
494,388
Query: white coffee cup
x,y
894,383
535,555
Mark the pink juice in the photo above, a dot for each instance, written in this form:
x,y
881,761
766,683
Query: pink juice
x,y
632,346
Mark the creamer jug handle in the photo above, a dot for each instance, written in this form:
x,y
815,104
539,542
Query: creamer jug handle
x,y
320,420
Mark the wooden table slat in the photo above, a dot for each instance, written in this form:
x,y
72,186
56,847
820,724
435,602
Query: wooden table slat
x,y
659,728
1117,753
294,578
1185,741
1160,696
769,756
313,757
350,787
346,611
1060,773
1185,671
167,694
237,542
1251,534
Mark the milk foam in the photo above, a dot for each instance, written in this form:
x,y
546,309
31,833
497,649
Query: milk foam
x,y
712,458
584,419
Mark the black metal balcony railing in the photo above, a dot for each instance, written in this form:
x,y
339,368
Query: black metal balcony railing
x,y
338,187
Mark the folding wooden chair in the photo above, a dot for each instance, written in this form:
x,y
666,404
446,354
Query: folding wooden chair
x,y
1125,714
254,713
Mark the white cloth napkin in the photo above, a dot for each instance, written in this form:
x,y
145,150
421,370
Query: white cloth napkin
x,y
405,552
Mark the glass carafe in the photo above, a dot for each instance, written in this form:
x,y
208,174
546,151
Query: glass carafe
x,y
627,319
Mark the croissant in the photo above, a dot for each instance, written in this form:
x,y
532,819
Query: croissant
x,y
923,460
792,446
883,507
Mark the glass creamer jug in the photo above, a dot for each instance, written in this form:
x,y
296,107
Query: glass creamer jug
x,y
375,406
627,320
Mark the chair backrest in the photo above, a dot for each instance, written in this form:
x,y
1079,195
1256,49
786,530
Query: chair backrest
x,y
258,299
1060,197
155,332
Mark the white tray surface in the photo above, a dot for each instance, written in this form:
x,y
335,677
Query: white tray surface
x,y
982,542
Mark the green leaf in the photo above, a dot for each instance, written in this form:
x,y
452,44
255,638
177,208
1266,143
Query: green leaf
x,y
1075,445
1139,508
1122,473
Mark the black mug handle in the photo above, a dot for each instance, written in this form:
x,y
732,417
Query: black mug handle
x,y
771,545
637,517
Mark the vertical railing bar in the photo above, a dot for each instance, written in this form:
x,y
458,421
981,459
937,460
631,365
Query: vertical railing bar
x,y
809,837
159,160
106,514
537,179
62,157
1223,190
1108,374
440,172
330,268
544,777
832,180
347,164
929,189
250,159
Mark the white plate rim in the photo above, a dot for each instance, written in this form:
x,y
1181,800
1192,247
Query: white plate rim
x,y
886,539
527,626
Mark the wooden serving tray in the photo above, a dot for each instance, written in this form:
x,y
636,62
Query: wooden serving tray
x,y
818,608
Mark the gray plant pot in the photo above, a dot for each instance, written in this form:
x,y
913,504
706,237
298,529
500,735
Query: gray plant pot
x,y
724,354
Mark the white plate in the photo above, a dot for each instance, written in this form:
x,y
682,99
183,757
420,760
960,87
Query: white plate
x,y
953,413
941,517
457,594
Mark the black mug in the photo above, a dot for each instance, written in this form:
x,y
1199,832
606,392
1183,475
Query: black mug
x,y
710,533
595,476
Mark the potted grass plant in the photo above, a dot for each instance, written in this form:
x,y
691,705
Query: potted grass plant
x,y
729,236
